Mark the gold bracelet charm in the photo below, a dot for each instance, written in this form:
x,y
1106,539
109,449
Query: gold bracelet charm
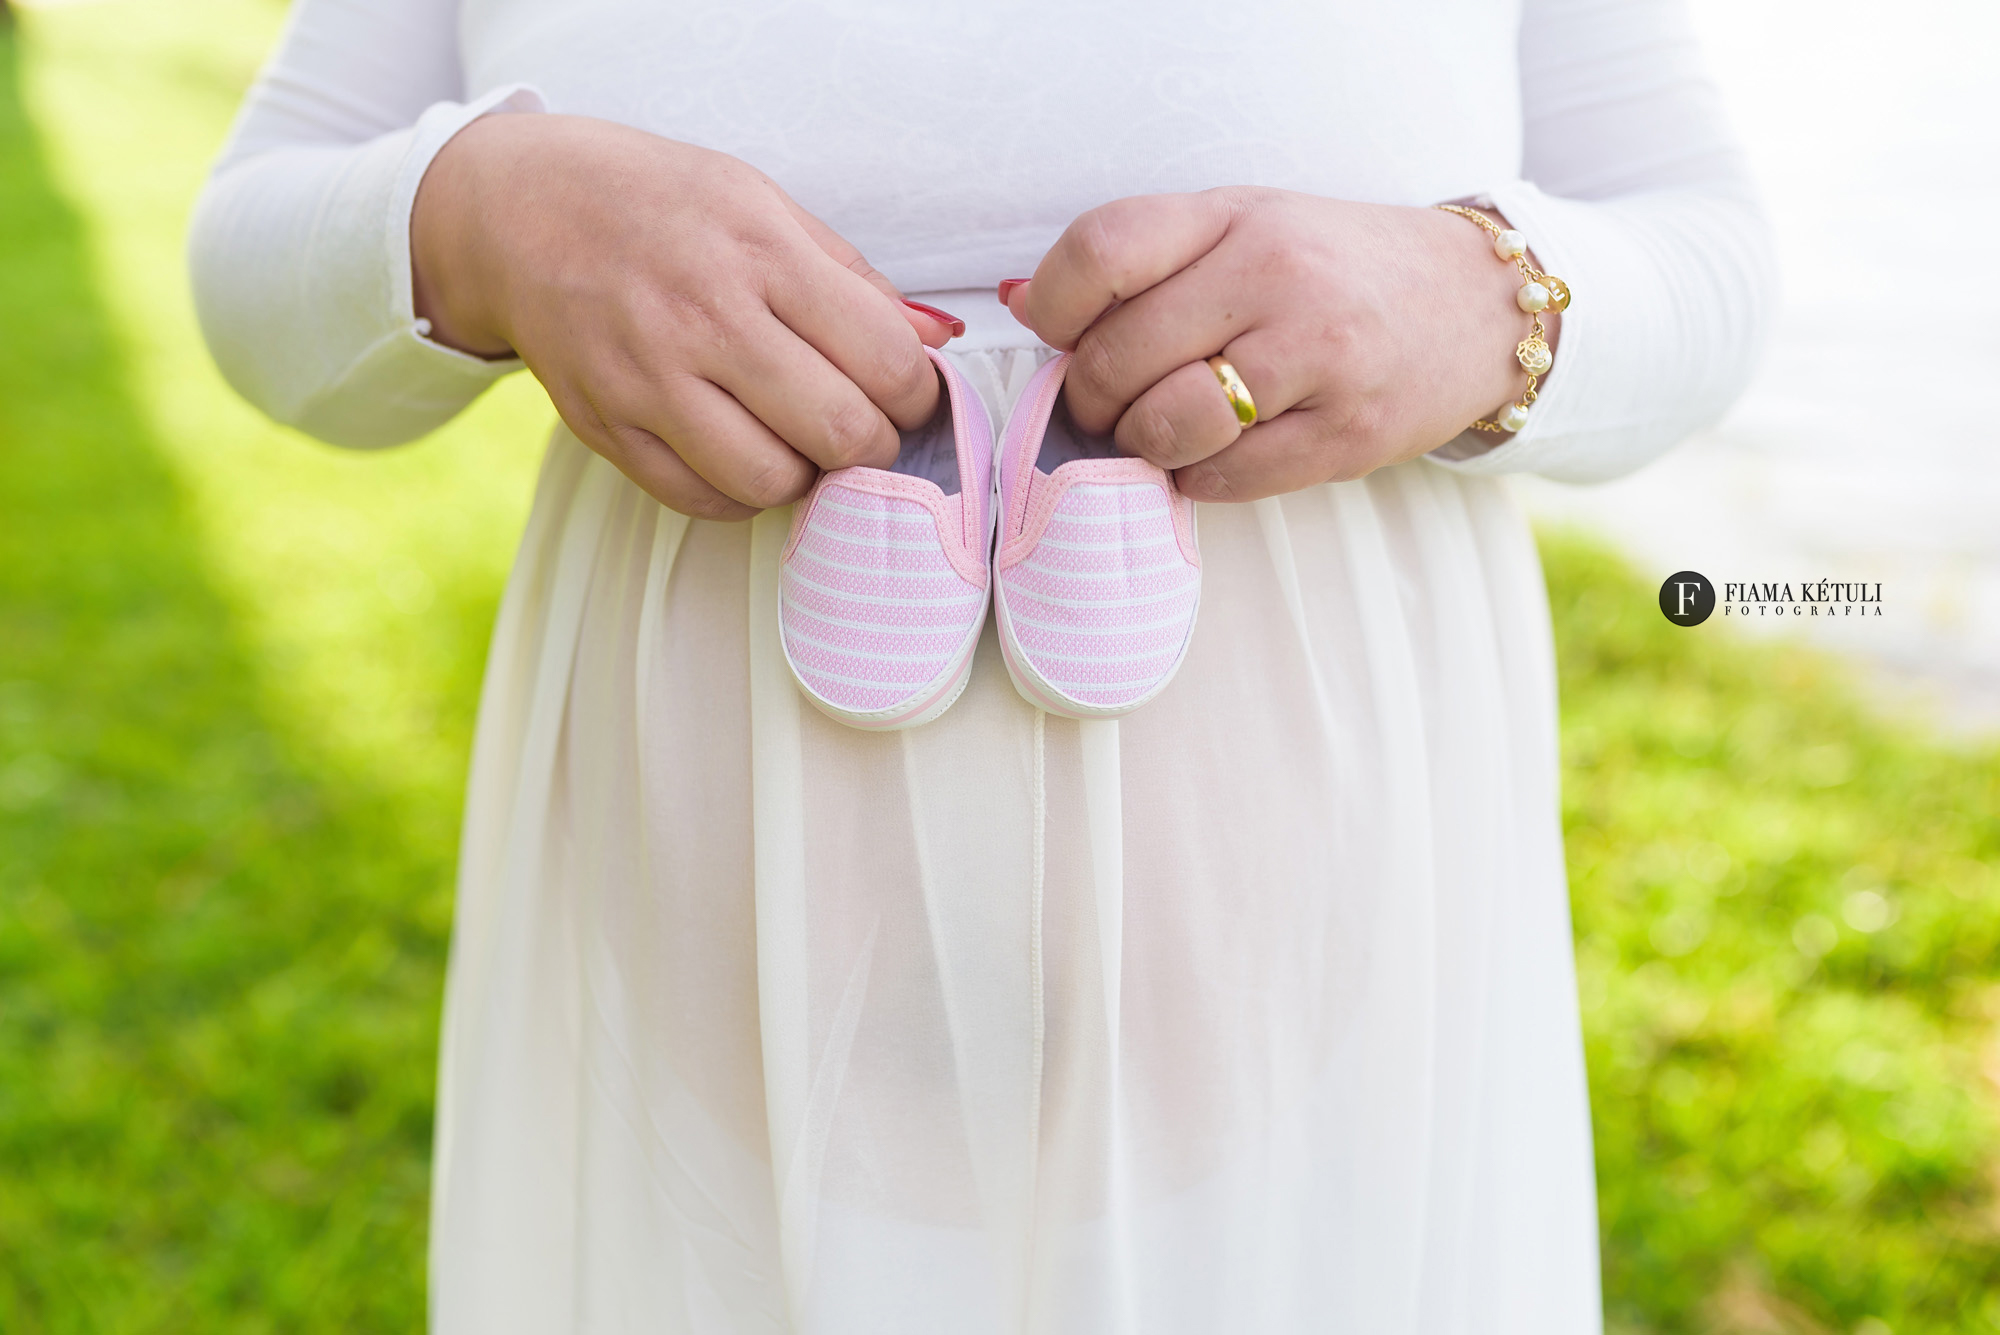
x,y
1539,291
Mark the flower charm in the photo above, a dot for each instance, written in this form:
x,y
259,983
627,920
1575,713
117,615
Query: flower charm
x,y
1534,355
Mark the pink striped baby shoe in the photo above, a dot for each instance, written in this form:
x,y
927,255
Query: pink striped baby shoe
x,y
1098,574
884,578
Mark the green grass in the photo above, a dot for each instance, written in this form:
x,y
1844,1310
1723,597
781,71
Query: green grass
x,y
236,680
1788,929
237,673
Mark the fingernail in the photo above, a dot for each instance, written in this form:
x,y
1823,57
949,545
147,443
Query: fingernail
x,y
956,325
1007,286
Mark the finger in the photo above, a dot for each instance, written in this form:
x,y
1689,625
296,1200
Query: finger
x,y
1112,254
808,402
1201,310
666,477
933,327
1181,420
1298,450
1132,348
840,250
937,327
645,458
847,324
718,438
1187,416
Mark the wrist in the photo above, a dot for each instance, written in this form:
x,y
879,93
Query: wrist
x,y
455,289
1489,285
1538,295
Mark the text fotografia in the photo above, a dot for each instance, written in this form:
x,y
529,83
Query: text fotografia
x,y
1823,598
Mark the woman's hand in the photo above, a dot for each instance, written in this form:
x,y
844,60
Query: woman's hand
x,y
1367,334
691,323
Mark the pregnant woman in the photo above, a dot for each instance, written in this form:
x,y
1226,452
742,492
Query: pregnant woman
x,y
1251,1009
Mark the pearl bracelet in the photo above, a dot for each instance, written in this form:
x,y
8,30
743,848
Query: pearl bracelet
x,y
1539,291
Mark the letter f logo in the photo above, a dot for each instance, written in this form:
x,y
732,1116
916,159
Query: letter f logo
x,y
1687,598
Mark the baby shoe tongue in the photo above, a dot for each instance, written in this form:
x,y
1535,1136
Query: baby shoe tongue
x,y
931,450
1066,442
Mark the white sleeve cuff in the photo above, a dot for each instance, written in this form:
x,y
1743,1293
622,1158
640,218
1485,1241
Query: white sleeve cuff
x,y
405,376
301,265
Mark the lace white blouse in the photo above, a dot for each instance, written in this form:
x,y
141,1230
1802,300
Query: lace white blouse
x,y
1253,1011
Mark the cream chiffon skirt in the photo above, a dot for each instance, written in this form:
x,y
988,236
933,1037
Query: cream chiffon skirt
x,y
1251,1012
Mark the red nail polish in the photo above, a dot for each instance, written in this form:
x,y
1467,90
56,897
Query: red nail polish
x,y
1007,286
956,325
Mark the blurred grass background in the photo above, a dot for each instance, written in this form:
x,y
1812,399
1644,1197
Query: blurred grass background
x,y
237,674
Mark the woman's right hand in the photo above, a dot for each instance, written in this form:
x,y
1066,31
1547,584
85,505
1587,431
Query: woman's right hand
x,y
692,324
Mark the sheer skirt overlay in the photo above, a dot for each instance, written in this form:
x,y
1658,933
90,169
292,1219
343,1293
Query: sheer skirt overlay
x,y
1251,1011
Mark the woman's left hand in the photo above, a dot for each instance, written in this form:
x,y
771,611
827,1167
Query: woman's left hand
x,y
1367,334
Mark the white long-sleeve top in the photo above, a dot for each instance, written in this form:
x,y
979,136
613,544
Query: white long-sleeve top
x,y
953,143
1252,1011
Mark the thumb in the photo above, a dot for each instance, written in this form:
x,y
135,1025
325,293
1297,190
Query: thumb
x,y
934,329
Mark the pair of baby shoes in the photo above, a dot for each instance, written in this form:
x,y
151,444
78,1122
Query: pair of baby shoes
x,y
1089,558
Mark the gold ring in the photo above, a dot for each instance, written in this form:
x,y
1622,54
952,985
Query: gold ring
x,y
1237,392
